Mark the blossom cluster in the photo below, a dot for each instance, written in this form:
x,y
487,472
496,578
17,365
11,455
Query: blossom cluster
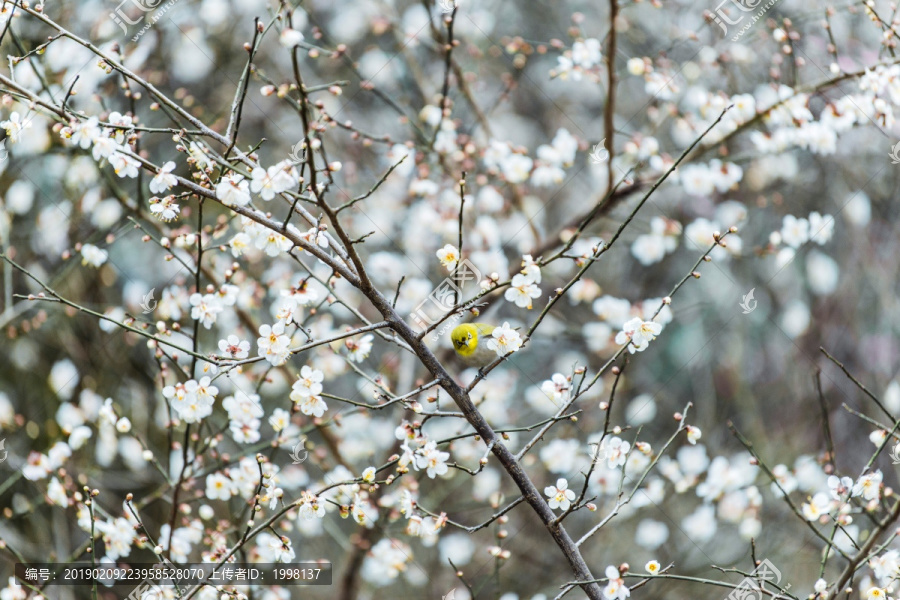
x,y
287,222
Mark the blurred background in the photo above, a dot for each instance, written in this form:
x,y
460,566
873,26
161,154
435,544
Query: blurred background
x,y
811,188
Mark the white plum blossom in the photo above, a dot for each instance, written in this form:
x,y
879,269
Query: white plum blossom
x,y
892,396
118,536
868,486
13,591
280,420
693,434
547,175
885,567
273,243
495,153
878,437
431,114
234,347
233,190
310,507
651,534
274,180
818,505
84,133
192,400
311,405
219,487
701,233
37,466
245,432
559,496
244,413
794,231
517,168
636,66
386,561
701,525
840,487
316,236
616,452
306,392
557,388
358,350
521,291
561,456
92,255
445,140
449,257
104,147
123,123
531,269
504,339
649,249
431,459
165,209
615,311
876,593
206,309
275,549
56,493
697,180
638,334
242,407
586,53
652,247
273,344
164,179
553,158
423,187
583,56
124,165
300,296
401,152
309,383
290,38
15,125
203,390
821,228
725,175
615,587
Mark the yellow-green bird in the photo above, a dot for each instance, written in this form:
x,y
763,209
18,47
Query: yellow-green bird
x,y
470,341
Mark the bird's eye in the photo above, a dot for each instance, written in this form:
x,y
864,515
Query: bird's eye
x,y
470,336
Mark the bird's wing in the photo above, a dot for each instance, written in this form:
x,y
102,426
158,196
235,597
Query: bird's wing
x,y
484,329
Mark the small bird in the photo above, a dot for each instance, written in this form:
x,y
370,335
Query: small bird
x,y
470,341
